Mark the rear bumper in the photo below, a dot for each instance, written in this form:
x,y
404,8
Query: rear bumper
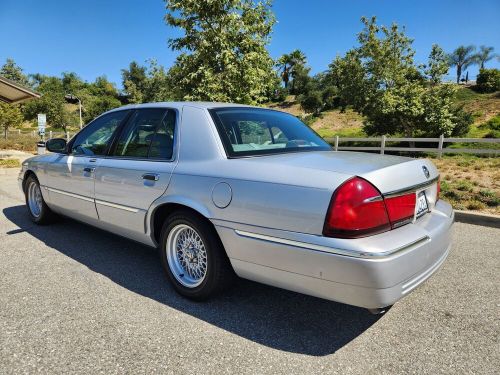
x,y
370,272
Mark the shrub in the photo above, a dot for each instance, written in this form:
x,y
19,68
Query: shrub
x,y
311,102
488,80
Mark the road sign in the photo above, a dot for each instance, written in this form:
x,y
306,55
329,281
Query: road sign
x,y
42,121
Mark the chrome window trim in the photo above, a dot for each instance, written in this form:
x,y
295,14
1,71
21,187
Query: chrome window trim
x,y
326,249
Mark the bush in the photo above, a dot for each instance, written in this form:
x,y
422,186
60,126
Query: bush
x,y
488,80
311,102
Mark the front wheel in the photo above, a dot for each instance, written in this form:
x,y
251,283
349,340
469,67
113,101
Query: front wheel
x,y
39,212
193,257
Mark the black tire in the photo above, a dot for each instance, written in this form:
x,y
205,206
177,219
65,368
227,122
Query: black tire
x,y
219,273
44,214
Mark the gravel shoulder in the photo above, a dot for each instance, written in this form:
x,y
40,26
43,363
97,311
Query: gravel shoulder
x,y
74,299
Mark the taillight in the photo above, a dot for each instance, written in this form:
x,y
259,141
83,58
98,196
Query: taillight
x,y
357,209
401,209
438,188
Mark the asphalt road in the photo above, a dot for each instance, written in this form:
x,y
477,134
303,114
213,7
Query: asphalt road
x,y
74,299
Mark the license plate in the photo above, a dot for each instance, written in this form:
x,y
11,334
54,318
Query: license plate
x,y
422,207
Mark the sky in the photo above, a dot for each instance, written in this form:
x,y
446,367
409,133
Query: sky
x,y
101,37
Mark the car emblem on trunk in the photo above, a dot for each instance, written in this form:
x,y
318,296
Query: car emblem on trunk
x,y
426,171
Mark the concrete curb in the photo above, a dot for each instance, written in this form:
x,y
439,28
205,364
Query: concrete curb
x,y
477,218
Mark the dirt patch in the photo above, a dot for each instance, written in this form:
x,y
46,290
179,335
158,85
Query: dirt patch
x,y
470,182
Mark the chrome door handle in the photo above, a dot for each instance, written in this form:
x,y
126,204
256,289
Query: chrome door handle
x,y
89,169
150,176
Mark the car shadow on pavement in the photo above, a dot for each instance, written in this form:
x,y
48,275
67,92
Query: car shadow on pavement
x,y
270,316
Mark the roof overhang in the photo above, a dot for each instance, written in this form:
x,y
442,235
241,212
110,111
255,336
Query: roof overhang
x,y
12,92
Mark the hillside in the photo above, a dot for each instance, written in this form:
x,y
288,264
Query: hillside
x,y
484,107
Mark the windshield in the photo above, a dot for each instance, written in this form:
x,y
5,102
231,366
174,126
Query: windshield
x,y
254,131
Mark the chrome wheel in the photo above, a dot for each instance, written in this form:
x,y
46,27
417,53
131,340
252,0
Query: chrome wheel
x,y
186,255
35,201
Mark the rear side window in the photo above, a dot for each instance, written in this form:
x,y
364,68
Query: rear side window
x,y
255,131
148,133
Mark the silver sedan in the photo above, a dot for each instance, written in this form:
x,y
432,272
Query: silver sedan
x,y
224,190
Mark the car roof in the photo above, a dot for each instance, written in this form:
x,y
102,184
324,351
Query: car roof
x,y
179,105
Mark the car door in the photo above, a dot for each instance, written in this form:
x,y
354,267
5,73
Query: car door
x,y
70,178
136,172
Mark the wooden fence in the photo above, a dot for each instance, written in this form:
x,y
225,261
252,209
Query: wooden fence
x,y
382,148
439,149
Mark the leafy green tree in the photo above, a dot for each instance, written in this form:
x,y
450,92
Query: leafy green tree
x,y
347,75
51,103
311,102
146,83
10,116
12,71
484,55
488,80
462,57
381,81
134,82
438,65
223,50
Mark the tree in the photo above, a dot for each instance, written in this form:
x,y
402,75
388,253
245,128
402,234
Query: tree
x,y
284,63
51,103
462,57
10,116
223,50
146,83
382,82
488,80
134,82
12,71
438,65
311,102
484,55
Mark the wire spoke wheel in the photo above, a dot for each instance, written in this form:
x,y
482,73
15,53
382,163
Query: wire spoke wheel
x,y
186,255
35,199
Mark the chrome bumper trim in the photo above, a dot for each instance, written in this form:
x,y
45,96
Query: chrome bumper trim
x,y
326,249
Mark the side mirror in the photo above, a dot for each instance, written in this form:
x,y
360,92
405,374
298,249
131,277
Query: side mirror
x,y
56,145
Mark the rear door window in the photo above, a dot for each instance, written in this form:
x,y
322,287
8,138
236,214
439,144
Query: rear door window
x,y
148,133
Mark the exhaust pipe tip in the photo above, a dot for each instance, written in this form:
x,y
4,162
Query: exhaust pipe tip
x,y
379,310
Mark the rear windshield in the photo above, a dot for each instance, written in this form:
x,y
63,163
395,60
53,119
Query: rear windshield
x,y
254,131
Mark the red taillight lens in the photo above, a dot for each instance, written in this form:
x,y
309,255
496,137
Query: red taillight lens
x,y
438,189
357,209
401,209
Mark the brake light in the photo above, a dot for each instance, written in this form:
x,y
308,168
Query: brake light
x,y
357,209
401,209
438,188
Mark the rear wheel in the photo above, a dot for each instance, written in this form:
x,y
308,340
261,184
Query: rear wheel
x,y
39,212
193,257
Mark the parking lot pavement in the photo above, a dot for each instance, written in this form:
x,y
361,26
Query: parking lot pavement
x,y
74,299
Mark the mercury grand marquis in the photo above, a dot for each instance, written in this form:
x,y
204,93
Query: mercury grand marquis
x,y
225,189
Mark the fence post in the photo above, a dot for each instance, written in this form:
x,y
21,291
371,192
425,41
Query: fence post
x,y
50,134
440,146
19,131
382,145
336,144
34,133
67,136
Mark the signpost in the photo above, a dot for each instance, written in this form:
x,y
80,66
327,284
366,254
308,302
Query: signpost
x,y
42,121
